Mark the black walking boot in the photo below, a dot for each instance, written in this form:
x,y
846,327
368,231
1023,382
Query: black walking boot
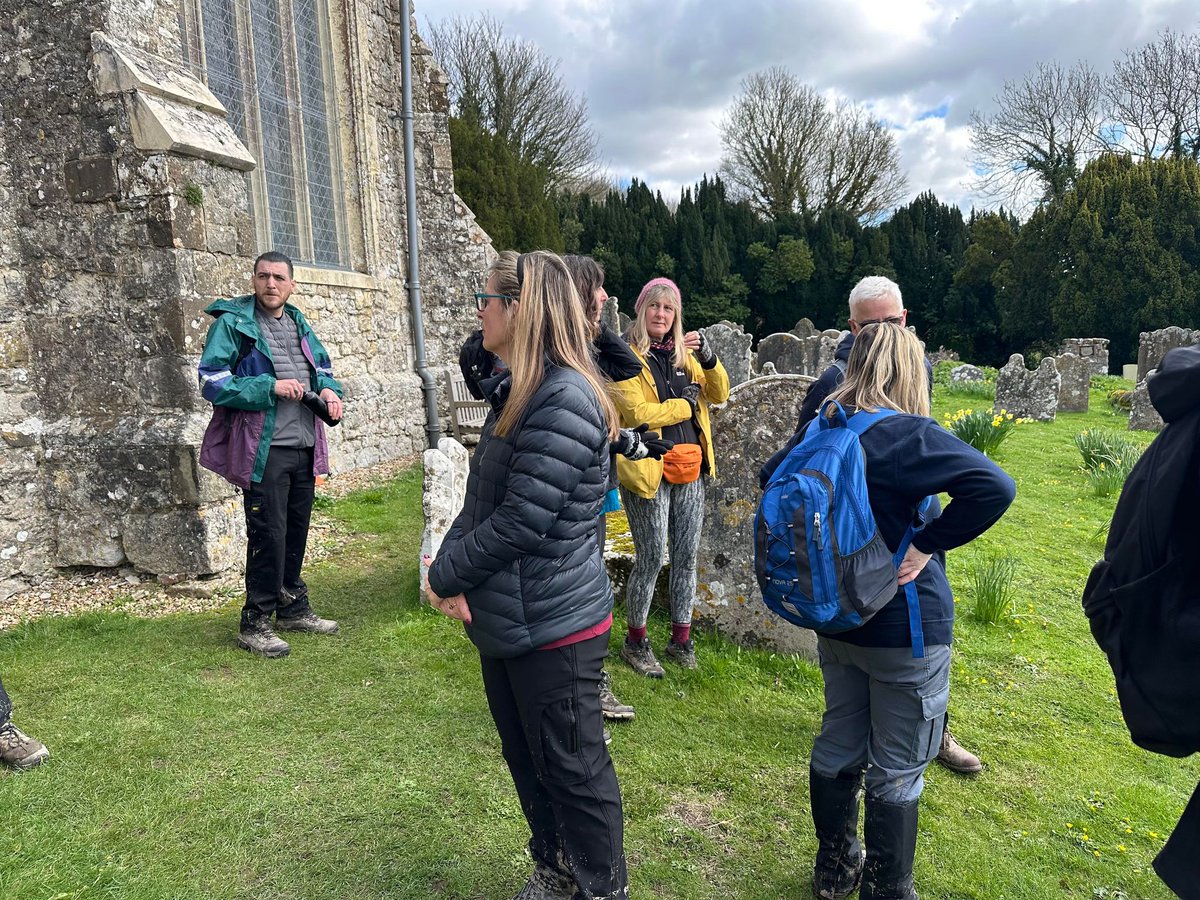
x,y
839,862
891,836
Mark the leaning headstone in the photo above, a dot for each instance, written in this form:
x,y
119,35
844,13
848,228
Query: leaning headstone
x,y
444,492
757,420
732,346
804,329
1076,381
785,350
966,372
1153,346
1142,414
1026,394
1093,351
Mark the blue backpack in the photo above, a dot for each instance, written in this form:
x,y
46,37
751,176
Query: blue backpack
x,y
820,560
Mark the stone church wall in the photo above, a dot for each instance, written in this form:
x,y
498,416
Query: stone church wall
x,y
125,208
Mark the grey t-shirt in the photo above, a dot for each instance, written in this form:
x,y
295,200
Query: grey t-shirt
x,y
293,420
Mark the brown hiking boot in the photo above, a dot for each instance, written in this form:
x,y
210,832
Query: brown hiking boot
x,y
18,749
307,622
612,708
260,639
681,654
640,657
957,759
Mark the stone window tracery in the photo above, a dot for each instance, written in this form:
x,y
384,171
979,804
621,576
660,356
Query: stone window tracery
x,y
270,63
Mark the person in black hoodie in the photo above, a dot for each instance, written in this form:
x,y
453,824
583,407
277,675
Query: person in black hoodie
x,y
1143,598
876,299
882,706
521,568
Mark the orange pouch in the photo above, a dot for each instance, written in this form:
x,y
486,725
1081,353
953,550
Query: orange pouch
x,y
681,464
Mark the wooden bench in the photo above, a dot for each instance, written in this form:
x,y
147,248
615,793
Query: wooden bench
x,y
467,414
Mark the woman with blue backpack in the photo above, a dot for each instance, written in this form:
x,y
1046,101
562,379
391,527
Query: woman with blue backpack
x,y
885,656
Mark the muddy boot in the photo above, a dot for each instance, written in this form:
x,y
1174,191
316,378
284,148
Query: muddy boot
x,y
890,831
640,657
308,622
260,639
612,708
839,863
18,749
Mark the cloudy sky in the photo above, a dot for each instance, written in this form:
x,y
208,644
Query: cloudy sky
x,y
658,74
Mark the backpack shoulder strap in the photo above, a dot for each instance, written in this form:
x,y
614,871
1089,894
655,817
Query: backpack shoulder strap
x,y
861,421
244,349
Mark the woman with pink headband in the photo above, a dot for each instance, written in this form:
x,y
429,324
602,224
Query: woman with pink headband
x,y
664,498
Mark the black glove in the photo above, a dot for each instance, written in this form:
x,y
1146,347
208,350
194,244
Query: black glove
x,y
706,355
638,443
691,394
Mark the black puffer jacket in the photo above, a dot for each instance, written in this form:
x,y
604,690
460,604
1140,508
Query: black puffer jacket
x,y
524,547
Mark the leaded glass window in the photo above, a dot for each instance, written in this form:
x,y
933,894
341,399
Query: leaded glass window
x,y
269,62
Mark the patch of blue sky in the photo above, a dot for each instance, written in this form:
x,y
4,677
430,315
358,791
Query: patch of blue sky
x,y
938,112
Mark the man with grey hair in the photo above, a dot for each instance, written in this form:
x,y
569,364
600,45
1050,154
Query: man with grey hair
x,y
873,300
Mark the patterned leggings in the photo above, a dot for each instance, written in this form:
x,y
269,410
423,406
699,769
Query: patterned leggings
x,y
675,515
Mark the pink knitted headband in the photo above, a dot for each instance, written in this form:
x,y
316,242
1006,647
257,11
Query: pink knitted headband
x,y
651,285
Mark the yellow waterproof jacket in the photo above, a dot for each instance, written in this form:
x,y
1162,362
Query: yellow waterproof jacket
x,y
637,401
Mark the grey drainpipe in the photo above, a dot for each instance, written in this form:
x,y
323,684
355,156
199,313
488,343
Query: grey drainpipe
x,y
433,427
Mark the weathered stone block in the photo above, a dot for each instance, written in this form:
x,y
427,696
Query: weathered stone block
x,y
1142,414
1154,345
965,373
1076,381
788,353
197,541
756,421
1026,394
1093,350
732,346
444,492
92,180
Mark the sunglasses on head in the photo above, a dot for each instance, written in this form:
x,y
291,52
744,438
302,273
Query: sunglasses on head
x,y
482,300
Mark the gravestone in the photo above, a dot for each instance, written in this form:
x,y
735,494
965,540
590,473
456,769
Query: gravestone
x,y
786,351
732,346
804,329
757,420
1129,372
1153,346
444,493
1093,351
827,344
966,372
1076,374
1142,414
1026,394
612,316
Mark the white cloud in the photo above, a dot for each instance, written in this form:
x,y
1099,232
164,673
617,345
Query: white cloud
x,y
658,73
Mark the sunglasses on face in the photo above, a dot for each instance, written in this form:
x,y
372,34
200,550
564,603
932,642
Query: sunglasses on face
x,y
890,320
482,300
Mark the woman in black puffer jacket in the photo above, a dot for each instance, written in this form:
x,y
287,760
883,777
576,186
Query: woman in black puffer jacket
x,y
522,568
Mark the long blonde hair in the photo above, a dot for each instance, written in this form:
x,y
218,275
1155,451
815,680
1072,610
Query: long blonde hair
x,y
639,337
886,370
548,322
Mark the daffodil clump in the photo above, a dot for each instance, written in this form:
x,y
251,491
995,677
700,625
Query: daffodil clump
x,y
982,429
1108,458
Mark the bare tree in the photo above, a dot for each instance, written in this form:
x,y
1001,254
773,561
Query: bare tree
x,y
514,91
1154,94
862,164
1045,128
787,151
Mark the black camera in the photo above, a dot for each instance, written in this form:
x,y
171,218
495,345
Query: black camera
x,y
319,407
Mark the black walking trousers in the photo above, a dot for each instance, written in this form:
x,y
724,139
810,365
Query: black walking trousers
x,y
5,705
546,705
278,510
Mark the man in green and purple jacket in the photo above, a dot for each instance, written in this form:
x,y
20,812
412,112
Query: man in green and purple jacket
x,y
260,359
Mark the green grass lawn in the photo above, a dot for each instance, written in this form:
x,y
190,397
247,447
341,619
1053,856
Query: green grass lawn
x,y
366,765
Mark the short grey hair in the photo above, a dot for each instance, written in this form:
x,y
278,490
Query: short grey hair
x,y
875,287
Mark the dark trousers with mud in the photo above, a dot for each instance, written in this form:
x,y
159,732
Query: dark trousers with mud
x,y
278,510
546,705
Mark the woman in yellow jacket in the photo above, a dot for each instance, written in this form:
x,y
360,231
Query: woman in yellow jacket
x,y
664,498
